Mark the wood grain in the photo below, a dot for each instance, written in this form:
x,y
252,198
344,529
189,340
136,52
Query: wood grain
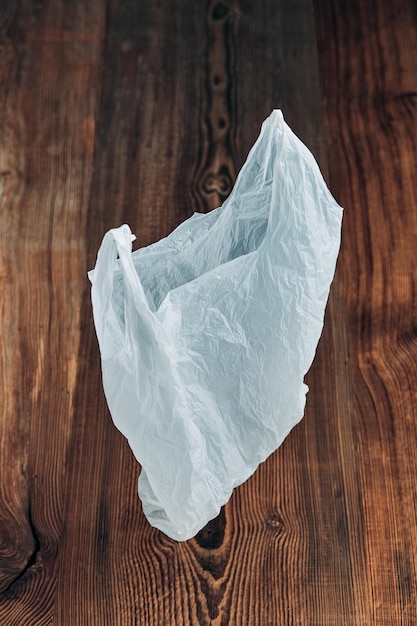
x,y
371,112
142,113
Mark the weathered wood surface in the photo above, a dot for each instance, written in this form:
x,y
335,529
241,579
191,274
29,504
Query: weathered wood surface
x,y
143,112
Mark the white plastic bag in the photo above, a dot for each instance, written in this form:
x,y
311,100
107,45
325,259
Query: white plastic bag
x,y
206,335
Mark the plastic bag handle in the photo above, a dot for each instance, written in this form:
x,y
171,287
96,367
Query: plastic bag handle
x,y
141,322
111,335
310,202
142,326
109,332
123,239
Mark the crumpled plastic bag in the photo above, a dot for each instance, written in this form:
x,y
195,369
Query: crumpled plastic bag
x,y
206,335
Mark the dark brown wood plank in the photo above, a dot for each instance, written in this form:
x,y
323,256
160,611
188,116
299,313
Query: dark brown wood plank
x,y
49,83
368,55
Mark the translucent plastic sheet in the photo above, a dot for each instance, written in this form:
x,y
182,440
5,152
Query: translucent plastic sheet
x,y
206,335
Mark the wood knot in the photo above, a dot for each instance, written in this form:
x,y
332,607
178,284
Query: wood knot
x,y
212,535
275,522
220,183
219,11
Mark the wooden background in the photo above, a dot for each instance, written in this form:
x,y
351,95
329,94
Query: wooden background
x,y
140,111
